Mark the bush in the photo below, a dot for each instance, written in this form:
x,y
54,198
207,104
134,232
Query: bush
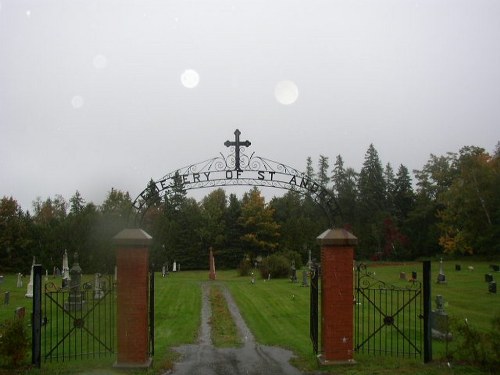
x,y
14,341
277,265
476,347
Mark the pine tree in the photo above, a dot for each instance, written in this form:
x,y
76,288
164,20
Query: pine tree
x,y
322,176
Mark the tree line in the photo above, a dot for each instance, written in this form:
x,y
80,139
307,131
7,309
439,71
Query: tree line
x,y
451,205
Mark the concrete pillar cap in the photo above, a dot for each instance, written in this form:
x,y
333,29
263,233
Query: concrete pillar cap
x,y
132,237
337,237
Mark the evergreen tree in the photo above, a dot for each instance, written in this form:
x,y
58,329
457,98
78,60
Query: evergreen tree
x,y
323,165
309,169
371,187
404,197
390,187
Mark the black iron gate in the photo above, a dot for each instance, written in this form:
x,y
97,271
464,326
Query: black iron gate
x,y
390,319
79,322
313,308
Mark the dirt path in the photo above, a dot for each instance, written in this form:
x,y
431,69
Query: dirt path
x,y
251,359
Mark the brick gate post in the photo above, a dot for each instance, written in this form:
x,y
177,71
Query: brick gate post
x,y
132,261
337,296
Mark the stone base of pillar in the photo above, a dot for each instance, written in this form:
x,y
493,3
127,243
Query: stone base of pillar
x,y
146,364
325,362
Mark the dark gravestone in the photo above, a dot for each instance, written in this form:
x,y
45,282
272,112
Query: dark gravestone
x,y
20,312
6,298
75,298
492,287
439,321
495,267
458,267
488,277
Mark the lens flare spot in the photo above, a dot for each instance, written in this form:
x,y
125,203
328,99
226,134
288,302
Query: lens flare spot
x,y
100,62
77,102
190,78
286,92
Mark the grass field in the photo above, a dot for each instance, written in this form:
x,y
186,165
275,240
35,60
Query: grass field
x,y
277,312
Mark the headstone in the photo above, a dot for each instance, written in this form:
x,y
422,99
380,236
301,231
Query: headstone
x,y
293,270
75,299
6,298
178,267
269,276
98,290
66,278
402,276
458,267
495,267
441,279
46,275
253,278
19,280
305,278
488,277
174,267
20,312
29,290
211,262
492,287
163,271
440,322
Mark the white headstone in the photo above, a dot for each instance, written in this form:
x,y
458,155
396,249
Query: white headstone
x,y
65,267
29,291
174,267
19,280
98,292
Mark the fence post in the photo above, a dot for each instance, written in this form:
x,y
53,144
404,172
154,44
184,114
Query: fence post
x,y
36,324
427,311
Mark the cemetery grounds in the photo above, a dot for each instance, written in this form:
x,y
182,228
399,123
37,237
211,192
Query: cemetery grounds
x,y
277,313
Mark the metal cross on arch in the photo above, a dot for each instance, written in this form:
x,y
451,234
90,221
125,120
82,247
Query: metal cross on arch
x,y
237,143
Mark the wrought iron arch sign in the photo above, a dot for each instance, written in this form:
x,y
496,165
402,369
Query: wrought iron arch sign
x,y
238,168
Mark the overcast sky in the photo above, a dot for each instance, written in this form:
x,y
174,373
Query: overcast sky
x,y
97,94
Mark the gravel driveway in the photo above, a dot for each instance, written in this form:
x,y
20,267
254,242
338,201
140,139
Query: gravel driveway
x,y
251,359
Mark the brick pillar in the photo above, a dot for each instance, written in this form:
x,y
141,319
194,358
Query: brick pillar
x,y
337,296
132,260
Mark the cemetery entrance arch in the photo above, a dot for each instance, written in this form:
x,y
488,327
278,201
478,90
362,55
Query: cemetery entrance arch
x,y
237,168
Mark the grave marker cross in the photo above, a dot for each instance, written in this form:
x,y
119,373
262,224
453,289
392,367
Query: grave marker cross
x,y
237,144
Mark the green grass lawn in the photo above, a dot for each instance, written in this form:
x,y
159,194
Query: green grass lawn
x,y
277,312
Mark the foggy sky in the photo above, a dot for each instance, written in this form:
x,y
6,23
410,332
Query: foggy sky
x,y
91,95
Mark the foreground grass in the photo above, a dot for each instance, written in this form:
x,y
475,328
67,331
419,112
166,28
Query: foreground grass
x,y
277,312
